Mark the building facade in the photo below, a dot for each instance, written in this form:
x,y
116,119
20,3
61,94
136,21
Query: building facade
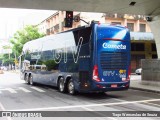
x,y
142,40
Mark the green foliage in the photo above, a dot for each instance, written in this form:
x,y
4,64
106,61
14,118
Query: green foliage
x,y
1,57
50,64
8,60
22,36
6,47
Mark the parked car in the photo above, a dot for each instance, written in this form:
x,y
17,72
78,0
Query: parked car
x,y
138,71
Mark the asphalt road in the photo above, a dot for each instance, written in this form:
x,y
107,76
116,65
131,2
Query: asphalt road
x,y
15,95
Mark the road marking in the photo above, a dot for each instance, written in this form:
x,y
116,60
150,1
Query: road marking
x,y
3,109
11,90
89,105
24,89
39,90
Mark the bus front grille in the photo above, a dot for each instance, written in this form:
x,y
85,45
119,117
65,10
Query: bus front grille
x,y
113,60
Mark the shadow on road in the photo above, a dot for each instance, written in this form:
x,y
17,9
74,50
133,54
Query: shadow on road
x,y
91,96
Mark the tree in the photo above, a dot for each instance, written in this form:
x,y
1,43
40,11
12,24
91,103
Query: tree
x,y
22,36
1,59
7,57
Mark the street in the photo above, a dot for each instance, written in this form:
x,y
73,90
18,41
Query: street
x,y
16,95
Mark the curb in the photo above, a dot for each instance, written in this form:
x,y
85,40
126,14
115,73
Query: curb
x,y
142,89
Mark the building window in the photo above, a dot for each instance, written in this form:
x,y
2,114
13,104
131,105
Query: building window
x,y
154,47
136,61
130,26
154,56
142,27
117,23
137,47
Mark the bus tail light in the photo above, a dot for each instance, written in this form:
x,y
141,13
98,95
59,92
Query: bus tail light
x,y
95,73
129,73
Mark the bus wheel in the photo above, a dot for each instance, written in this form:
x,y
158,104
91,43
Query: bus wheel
x,y
31,80
61,85
71,87
26,79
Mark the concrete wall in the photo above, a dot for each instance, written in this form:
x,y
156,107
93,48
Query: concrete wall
x,y
151,71
155,25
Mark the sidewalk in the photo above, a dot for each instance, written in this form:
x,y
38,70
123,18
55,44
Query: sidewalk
x,y
137,84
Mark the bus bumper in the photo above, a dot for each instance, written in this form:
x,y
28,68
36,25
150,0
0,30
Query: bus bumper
x,y
104,86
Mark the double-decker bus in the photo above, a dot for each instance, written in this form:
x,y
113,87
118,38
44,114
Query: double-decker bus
x,y
94,58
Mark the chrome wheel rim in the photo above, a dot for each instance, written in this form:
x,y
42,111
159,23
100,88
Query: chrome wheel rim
x,y
31,81
26,79
61,85
71,87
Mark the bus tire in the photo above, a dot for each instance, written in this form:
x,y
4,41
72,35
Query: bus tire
x,y
61,85
26,79
71,87
31,80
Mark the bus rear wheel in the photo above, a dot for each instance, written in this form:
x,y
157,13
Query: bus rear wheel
x,y
71,87
61,85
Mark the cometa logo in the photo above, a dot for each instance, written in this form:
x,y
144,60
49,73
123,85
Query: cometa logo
x,y
112,46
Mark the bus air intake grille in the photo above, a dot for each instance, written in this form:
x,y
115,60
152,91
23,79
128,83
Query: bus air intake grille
x,y
113,60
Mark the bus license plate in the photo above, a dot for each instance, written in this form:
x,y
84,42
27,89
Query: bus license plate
x,y
114,85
